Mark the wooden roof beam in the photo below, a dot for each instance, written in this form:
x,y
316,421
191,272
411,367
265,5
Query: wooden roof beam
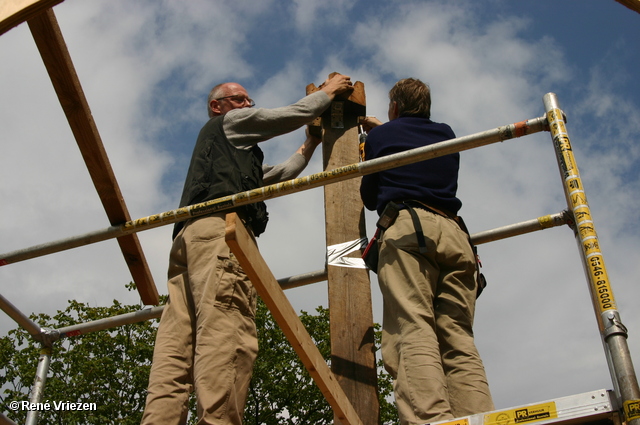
x,y
631,4
15,12
57,61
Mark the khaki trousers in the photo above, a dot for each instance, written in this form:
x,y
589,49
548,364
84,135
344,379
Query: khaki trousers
x,y
427,337
207,336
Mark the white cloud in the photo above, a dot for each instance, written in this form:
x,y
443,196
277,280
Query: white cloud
x,y
310,14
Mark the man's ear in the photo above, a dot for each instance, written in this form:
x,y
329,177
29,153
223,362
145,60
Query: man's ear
x,y
393,110
215,107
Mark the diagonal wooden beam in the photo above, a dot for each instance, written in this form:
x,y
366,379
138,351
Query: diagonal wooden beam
x,y
244,248
57,61
631,4
15,12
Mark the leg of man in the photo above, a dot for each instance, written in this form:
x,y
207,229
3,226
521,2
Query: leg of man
x,y
409,344
170,380
227,340
221,306
455,305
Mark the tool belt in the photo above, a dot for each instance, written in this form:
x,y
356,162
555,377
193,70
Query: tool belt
x,y
388,217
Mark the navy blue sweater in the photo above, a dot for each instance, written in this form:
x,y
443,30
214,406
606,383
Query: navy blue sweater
x,y
434,181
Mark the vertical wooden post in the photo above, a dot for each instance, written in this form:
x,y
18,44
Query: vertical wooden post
x,y
350,309
246,251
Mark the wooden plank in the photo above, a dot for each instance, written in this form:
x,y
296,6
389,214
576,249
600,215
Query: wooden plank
x,y
246,251
15,12
352,334
57,61
631,4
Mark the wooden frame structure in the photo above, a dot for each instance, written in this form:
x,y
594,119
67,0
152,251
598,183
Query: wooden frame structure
x,y
57,60
350,388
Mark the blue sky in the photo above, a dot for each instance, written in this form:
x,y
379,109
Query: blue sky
x,y
147,66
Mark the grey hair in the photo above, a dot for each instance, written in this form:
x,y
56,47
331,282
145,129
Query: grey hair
x,y
215,93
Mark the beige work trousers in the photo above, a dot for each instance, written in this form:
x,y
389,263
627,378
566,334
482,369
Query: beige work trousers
x,y
207,337
427,338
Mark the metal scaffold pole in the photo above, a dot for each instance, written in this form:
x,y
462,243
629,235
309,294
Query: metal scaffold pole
x,y
38,386
459,144
613,332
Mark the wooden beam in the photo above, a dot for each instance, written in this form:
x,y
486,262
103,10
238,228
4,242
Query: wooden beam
x,y
246,251
631,4
350,310
15,12
57,61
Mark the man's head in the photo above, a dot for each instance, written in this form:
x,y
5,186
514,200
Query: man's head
x,y
409,97
227,96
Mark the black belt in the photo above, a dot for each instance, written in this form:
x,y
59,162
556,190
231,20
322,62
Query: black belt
x,y
416,224
409,204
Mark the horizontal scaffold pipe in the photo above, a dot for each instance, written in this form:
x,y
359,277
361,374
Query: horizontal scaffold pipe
x,y
540,223
109,322
155,312
312,181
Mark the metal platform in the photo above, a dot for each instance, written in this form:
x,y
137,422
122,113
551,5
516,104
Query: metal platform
x,y
594,406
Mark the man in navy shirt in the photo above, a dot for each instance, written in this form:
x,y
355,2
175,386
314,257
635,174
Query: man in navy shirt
x,y
427,278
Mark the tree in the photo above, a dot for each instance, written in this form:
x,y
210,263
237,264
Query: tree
x,y
283,392
111,369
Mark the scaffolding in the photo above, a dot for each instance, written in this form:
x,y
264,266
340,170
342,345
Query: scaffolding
x,y
625,395
620,404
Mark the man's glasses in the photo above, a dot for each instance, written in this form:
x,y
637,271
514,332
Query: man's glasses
x,y
239,99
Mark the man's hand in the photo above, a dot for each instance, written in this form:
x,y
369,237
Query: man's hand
x,y
337,84
309,145
369,122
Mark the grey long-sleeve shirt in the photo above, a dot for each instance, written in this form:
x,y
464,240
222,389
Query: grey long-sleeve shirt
x,y
247,126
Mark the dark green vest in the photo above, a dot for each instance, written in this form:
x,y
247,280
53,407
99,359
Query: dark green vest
x,y
219,169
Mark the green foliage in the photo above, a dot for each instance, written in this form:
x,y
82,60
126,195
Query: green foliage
x,y
283,392
111,369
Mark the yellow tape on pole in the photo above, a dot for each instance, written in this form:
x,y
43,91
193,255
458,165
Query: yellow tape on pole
x,y
579,206
243,198
291,186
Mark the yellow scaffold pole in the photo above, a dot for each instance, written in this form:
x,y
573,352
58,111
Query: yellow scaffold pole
x,y
613,332
498,134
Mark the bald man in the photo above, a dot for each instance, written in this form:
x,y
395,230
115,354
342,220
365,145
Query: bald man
x,y
207,338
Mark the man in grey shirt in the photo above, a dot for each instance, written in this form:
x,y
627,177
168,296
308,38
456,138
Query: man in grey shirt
x,y
207,337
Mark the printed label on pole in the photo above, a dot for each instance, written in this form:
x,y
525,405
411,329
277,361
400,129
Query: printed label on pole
x,y
631,409
528,414
563,145
603,293
553,116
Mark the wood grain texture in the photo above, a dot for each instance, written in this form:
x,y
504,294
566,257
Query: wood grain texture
x,y
246,251
350,308
52,47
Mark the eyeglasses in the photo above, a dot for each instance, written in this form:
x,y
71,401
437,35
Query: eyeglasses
x,y
239,99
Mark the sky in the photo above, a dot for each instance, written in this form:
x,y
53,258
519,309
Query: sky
x,y
146,68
